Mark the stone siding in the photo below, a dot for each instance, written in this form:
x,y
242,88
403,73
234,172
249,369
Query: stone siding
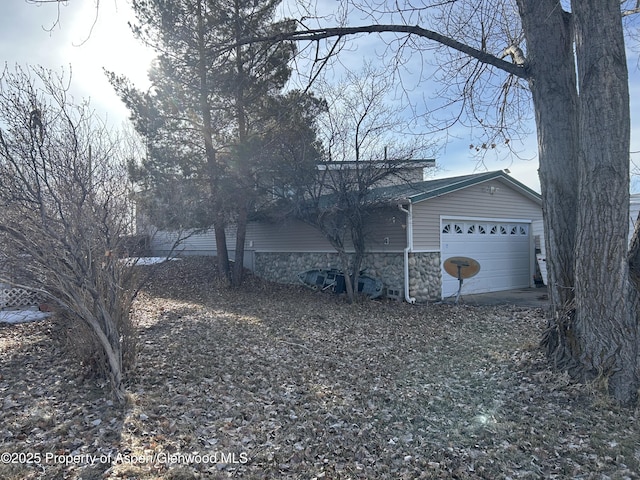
x,y
424,269
425,277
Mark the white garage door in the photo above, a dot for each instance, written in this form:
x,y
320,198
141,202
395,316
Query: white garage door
x,y
503,250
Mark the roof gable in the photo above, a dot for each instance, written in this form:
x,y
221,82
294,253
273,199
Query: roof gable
x,y
421,191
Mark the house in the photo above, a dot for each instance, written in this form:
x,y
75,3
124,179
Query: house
x,y
489,217
393,171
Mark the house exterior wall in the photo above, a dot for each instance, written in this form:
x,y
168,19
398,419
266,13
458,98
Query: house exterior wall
x,y
286,236
284,267
163,242
385,233
283,250
475,202
280,251
425,280
399,172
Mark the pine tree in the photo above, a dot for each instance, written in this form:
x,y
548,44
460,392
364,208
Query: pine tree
x,y
204,116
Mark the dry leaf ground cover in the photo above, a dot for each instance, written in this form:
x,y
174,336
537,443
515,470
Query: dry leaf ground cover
x,y
279,382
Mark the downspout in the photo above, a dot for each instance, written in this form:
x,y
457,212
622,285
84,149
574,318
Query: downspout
x,y
407,250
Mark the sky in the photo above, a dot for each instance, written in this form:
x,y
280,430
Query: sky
x,y
80,43
85,44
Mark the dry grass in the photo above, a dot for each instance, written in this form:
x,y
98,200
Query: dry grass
x,y
279,382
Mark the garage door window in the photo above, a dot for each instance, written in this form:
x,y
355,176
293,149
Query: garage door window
x,y
453,228
483,229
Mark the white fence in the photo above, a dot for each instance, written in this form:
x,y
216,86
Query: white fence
x,y
17,297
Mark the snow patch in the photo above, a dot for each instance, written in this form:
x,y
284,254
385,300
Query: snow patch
x,y
22,315
147,260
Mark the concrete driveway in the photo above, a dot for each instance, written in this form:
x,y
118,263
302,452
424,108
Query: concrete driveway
x,y
525,297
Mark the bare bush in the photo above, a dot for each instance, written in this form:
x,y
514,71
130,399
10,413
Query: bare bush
x,y
65,204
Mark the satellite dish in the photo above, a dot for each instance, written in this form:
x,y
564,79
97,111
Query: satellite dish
x,y
461,268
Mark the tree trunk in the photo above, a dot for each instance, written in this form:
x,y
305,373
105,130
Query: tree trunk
x,y
553,86
241,235
104,329
348,279
222,254
359,246
213,168
583,139
551,64
606,324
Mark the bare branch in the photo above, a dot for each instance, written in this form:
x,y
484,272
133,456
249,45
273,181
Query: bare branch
x,y
634,9
519,70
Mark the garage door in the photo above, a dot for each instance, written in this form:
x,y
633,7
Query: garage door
x,y
503,250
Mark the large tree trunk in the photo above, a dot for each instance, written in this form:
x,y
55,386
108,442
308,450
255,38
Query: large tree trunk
x,y
213,168
606,323
583,138
553,85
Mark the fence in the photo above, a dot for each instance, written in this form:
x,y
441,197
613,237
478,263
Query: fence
x,y
17,297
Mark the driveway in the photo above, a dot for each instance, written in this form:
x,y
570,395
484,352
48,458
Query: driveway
x,y
525,297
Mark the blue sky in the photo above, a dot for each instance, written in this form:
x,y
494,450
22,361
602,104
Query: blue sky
x,y
74,44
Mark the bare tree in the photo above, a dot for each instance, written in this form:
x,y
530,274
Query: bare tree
x,y
64,198
367,144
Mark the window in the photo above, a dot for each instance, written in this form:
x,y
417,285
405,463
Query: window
x,y
523,230
503,230
494,230
514,230
482,230
446,228
458,228
471,229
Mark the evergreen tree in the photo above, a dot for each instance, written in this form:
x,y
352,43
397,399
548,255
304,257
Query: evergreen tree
x,y
206,117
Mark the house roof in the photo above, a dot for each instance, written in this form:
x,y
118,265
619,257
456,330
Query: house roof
x,y
421,191
351,164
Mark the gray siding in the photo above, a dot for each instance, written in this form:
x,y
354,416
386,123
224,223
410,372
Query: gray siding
x,y
475,202
385,233
287,236
204,243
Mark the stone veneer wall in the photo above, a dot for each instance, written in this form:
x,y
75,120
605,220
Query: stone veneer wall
x,y
424,269
425,277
